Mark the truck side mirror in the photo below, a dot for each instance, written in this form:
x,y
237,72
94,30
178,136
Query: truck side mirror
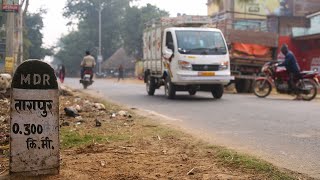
x,y
170,46
229,47
167,53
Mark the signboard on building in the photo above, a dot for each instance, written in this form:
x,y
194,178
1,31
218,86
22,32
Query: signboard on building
x,y
9,65
34,145
10,5
305,7
259,9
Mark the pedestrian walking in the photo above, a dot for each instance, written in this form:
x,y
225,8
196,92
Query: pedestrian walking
x,y
121,73
62,73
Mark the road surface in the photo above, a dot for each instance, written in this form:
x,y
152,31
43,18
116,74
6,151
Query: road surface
x,y
278,129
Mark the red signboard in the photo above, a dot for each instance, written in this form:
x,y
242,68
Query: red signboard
x,y
10,7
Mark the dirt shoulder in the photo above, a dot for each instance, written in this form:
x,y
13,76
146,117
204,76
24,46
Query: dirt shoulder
x,y
130,146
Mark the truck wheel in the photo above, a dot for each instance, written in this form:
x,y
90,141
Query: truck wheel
x,y
242,85
170,90
217,91
150,85
251,86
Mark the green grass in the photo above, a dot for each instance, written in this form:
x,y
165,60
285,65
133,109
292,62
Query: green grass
x,y
227,158
74,139
231,158
70,139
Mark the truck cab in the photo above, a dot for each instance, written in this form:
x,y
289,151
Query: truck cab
x,y
196,56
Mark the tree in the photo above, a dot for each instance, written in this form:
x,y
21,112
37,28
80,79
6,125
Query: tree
x,y
134,24
85,12
33,36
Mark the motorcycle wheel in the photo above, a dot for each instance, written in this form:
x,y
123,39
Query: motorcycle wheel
x,y
262,88
310,86
85,85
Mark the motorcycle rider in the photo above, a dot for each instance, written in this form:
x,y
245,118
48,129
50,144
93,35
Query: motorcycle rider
x,y
292,67
88,63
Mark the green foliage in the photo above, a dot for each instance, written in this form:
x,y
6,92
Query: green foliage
x,y
86,37
122,25
133,26
33,37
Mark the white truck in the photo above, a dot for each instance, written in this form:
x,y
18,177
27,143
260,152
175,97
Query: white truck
x,y
182,55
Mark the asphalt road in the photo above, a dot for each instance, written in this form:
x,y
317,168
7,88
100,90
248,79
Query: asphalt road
x,y
278,129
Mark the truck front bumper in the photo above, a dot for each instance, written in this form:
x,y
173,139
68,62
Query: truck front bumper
x,y
187,79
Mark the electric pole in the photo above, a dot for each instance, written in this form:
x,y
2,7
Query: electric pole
x,y
100,58
10,25
21,36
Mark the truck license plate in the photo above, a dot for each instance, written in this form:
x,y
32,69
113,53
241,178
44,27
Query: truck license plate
x,y
206,73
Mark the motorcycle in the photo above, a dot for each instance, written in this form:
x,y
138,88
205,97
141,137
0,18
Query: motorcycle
x,y
87,78
275,76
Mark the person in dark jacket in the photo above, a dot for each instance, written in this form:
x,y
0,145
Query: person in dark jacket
x,y
121,73
292,67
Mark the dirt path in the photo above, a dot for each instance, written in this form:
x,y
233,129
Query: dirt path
x,y
129,146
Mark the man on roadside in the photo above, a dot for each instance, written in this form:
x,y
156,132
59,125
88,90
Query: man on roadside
x,y
121,72
88,63
292,67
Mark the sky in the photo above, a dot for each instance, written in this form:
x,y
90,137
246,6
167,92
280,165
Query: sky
x,y
55,23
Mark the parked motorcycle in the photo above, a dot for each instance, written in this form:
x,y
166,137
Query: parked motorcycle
x,y
278,77
87,78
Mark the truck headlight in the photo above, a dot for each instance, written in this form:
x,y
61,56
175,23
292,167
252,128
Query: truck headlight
x,y
224,65
184,65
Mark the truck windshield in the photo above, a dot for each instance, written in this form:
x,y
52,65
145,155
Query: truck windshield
x,y
201,43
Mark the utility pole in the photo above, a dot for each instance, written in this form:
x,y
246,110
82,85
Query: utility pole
x,y
21,36
100,58
10,34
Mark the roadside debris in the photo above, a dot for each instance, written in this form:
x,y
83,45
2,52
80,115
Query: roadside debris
x,y
79,119
123,113
65,124
76,100
87,106
70,111
184,157
191,172
113,115
103,163
78,123
99,106
64,91
2,119
98,123
77,107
